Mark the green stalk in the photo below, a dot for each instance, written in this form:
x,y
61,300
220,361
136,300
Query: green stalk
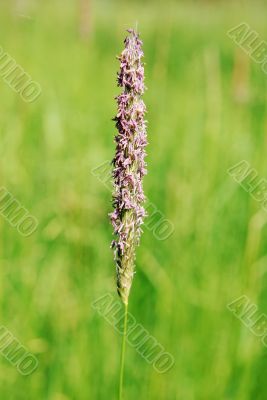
x,y
123,346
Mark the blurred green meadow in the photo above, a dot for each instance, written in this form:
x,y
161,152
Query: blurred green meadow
x,y
206,103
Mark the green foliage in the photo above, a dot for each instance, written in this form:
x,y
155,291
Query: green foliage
x,y
206,102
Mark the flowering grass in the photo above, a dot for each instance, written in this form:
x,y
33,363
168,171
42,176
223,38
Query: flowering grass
x,y
217,252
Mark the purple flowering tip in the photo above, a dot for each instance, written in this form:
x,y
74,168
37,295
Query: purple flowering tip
x,y
129,164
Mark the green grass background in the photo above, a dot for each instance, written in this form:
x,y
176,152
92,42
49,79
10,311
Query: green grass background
x,y
206,105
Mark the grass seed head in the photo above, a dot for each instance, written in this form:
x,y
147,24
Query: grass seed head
x,y
129,165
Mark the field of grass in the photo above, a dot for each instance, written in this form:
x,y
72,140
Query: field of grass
x,y
206,103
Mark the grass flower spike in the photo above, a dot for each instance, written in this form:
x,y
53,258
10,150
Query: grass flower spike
x,y
129,164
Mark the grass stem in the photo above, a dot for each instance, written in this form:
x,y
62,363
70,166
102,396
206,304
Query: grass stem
x,y
123,350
